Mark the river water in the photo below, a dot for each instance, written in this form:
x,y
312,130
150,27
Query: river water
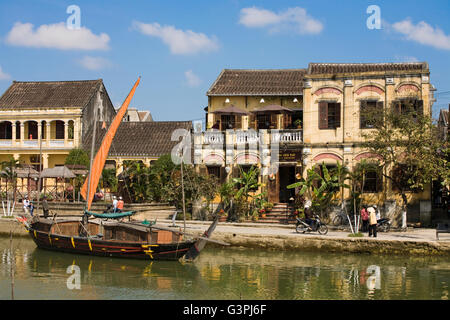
x,y
221,274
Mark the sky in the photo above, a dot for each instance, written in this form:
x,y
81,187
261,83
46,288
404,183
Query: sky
x,y
180,47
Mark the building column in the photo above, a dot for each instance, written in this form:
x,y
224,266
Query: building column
x,y
45,160
119,166
13,127
76,133
16,156
22,132
39,126
66,133
47,133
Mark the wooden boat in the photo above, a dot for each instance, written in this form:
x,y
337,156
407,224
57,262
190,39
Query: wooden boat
x,y
132,240
113,239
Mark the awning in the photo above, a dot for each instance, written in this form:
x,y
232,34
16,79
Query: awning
x,y
231,110
57,172
272,108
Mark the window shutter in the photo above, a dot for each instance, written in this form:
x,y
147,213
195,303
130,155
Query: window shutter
x,y
397,105
273,120
223,174
203,170
419,107
252,122
323,115
337,118
379,179
238,122
362,115
380,105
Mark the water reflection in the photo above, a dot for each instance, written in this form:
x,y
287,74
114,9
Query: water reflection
x,y
224,274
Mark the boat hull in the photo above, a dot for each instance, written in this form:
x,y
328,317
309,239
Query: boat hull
x,y
110,248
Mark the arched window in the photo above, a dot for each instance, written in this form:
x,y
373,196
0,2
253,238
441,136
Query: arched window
x,y
6,130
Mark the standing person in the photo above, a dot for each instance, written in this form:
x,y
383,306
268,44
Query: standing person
x,y
120,205
26,205
365,219
372,222
377,212
45,206
115,202
31,206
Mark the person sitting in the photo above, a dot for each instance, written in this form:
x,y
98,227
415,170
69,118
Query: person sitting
x,y
120,205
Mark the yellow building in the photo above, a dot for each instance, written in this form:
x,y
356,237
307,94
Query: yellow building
x,y
51,116
326,98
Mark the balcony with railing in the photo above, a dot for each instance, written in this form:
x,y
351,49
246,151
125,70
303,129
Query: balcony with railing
x,y
287,136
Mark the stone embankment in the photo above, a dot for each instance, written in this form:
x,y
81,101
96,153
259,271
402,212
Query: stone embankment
x,y
284,237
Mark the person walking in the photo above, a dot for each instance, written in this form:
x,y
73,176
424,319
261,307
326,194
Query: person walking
x,y
45,206
365,219
120,205
26,205
115,202
372,222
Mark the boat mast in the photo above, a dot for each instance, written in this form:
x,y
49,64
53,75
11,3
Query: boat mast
x,y
40,171
182,190
92,158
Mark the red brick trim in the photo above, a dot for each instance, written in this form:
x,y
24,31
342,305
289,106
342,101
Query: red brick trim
x,y
320,91
327,156
367,155
407,87
371,88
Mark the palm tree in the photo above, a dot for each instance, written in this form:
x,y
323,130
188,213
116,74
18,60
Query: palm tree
x,y
246,183
10,174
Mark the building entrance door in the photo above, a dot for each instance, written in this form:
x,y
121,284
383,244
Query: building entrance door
x,y
286,177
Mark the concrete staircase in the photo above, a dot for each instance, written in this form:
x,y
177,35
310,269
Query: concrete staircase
x,y
280,213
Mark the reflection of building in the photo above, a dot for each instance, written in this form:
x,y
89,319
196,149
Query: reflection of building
x,y
325,101
58,112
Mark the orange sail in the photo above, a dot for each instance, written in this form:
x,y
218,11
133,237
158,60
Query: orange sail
x,y
102,154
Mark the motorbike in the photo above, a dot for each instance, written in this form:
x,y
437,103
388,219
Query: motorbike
x,y
316,225
384,225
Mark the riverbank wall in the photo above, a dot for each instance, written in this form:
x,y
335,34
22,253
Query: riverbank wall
x,y
272,237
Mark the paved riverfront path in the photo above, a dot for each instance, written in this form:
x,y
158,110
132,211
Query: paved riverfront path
x,y
284,237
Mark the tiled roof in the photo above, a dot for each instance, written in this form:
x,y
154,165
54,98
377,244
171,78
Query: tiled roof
x,y
49,94
148,138
334,68
258,82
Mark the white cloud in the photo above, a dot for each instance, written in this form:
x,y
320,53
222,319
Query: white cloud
x,y
94,63
56,36
192,79
179,41
295,19
423,33
3,75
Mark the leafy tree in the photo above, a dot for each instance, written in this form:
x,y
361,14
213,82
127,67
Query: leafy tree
x,y
320,189
137,178
78,156
409,150
109,179
9,173
245,184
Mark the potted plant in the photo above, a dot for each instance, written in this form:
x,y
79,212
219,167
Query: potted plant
x,y
298,123
262,212
222,216
268,206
